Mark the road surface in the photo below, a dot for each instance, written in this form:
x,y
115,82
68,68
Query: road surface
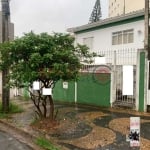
x,y
8,142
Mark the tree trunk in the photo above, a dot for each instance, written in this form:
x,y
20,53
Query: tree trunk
x,y
38,110
36,101
51,113
40,101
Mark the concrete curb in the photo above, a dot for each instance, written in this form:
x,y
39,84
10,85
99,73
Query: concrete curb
x,y
25,135
29,137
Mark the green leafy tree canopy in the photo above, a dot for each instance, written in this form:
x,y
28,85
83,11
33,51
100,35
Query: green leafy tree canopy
x,y
44,58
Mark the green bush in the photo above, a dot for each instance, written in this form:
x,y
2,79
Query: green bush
x,y
2,115
46,144
13,108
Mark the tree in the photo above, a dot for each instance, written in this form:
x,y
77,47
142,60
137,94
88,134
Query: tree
x,y
47,59
96,13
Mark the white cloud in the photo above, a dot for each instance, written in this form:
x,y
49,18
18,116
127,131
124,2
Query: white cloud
x,y
51,15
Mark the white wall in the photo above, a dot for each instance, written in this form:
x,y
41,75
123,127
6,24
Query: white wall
x,y
103,37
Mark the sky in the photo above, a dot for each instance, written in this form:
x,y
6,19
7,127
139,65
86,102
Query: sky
x,y
51,15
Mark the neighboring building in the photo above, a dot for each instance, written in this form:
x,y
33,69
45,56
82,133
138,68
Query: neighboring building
x,y
11,29
119,39
119,7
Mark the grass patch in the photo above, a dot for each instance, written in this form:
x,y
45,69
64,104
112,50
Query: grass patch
x,y
46,144
13,108
2,115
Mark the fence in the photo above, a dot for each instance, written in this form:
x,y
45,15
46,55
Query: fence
x,y
103,85
102,88
117,59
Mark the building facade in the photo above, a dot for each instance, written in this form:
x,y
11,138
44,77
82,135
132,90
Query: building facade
x,y
119,7
11,29
120,32
115,38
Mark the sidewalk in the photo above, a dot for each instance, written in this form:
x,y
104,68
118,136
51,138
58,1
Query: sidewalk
x,y
86,128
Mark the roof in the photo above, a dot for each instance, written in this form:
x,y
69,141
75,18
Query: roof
x,y
129,16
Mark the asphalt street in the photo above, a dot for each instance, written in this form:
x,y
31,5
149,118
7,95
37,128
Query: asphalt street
x,y
8,142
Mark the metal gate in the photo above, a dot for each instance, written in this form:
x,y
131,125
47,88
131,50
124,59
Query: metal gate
x,y
118,59
121,99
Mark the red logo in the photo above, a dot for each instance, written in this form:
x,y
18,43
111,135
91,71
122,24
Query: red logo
x,y
102,74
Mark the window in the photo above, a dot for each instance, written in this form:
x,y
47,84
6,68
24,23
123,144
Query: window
x,y
119,37
114,39
125,37
122,37
130,36
88,42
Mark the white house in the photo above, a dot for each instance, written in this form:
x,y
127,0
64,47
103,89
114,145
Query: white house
x,y
125,31
119,39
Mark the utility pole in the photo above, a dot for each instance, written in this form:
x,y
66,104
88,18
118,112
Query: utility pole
x,y
146,41
5,38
